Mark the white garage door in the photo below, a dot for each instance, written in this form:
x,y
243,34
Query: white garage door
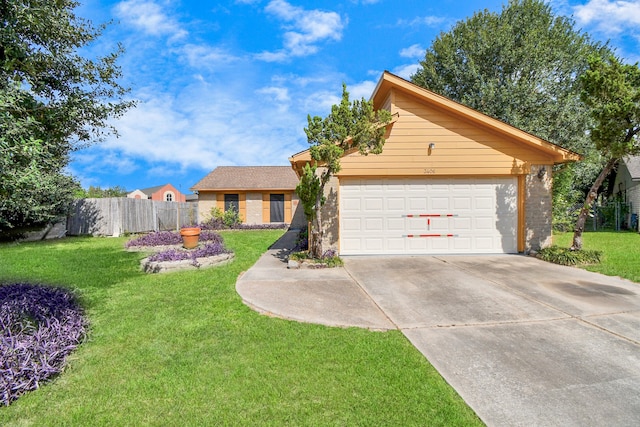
x,y
428,216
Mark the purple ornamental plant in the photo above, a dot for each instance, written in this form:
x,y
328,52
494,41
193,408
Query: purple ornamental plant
x,y
169,238
39,327
209,249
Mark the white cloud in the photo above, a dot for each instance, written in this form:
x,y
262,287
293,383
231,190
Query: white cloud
x,y
406,71
199,56
413,51
429,21
305,29
610,17
149,17
205,126
278,94
361,90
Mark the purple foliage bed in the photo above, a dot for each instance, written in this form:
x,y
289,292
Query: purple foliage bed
x,y
218,224
209,249
39,327
168,238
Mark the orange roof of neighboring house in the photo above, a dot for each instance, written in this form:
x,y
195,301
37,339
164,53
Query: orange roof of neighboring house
x,y
248,178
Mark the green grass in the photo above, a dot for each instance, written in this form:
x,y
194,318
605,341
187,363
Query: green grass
x,y
182,349
621,252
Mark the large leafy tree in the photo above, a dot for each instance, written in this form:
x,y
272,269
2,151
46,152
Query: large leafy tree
x,y
53,100
521,66
350,126
612,90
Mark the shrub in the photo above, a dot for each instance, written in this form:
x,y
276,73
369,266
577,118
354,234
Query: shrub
x,y
228,218
39,327
565,256
329,259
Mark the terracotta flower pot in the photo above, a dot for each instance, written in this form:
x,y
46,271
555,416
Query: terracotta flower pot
x,y
190,237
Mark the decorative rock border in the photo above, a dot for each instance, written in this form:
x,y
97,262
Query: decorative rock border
x,y
294,264
187,264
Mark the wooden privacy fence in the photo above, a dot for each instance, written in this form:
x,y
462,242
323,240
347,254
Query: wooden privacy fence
x,y
118,215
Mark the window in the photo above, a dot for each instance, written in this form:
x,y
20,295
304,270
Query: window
x,y
231,202
276,207
168,197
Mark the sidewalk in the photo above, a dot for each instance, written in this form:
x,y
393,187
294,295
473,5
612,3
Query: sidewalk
x,y
324,296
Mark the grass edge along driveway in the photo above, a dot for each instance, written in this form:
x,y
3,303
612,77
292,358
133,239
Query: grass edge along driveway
x,y
182,349
621,252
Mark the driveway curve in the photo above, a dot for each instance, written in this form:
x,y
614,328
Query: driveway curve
x,y
522,341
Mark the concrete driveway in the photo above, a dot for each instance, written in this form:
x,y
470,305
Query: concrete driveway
x,y
522,341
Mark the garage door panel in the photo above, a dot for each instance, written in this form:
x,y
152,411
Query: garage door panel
x,y
396,244
482,202
483,223
396,224
376,216
485,243
461,203
439,203
462,244
374,224
417,205
350,245
461,224
440,244
373,204
396,204
351,224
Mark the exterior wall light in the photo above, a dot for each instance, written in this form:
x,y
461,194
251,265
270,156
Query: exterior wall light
x,y
542,172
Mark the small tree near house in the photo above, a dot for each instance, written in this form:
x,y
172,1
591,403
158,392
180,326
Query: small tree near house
x,y
613,90
350,126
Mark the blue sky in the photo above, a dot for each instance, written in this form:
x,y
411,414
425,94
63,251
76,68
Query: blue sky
x,y
231,82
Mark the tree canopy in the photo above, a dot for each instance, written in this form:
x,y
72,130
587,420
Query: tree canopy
x,y
612,90
350,125
99,192
53,100
521,66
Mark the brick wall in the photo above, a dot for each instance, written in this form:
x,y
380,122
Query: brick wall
x,y
537,203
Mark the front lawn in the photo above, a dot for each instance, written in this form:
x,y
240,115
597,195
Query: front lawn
x,y
182,349
621,251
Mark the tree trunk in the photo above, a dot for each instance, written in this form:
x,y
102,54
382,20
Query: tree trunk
x,y
317,232
576,245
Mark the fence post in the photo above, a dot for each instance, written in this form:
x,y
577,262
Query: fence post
x,y
154,215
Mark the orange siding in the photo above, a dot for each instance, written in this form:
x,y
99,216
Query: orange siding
x,y
266,208
461,147
287,208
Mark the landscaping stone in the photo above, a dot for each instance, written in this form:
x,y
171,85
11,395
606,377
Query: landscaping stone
x,y
294,264
169,266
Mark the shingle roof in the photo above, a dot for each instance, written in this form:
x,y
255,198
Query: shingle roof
x,y
248,178
633,165
149,191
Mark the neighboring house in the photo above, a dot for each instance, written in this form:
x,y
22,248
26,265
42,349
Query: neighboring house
x,y
164,193
627,186
450,180
260,194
